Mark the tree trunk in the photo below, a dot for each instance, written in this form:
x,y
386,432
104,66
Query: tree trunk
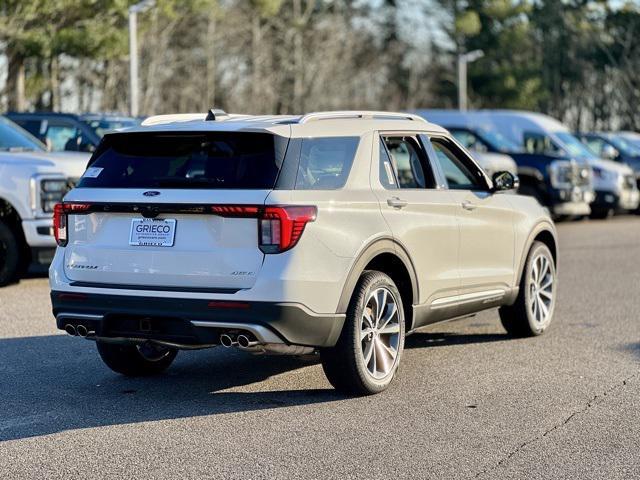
x,y
54,84
15,80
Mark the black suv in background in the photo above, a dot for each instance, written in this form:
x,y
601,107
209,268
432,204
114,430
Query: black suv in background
x,y
66,131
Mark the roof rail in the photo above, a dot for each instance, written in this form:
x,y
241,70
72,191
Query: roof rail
x,y
362,114
174,117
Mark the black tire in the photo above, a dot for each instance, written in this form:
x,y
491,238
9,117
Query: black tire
x,y
344,365
600,213
517,319
130,361
10,255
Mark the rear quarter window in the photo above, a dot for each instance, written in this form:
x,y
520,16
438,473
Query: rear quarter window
x,y
211,160
325,162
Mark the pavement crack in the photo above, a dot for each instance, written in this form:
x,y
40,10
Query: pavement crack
x,y
592,402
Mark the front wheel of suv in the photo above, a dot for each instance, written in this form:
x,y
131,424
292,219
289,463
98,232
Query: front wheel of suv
x,y
366,357
136,360
532,312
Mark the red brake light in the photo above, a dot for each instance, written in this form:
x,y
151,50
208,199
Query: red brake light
x,y
60,212
280,228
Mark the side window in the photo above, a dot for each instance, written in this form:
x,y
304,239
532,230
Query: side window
x,y
387,175
410,162
63,137
469,140
325,163
458,174
539,143
596,145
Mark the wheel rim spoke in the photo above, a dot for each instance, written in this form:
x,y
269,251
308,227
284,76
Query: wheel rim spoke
x,y
390,329
546,293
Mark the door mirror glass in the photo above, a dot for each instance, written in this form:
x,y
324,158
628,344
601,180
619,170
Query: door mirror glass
x,y
505,181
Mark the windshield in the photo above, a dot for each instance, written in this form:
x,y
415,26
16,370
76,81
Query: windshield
x,y
499,141
574,147
625,146
15,139
105,125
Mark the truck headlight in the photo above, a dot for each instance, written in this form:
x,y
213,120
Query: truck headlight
x,y
51,192
46,191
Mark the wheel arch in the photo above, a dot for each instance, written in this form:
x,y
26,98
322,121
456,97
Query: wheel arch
x,y
389,257
543,232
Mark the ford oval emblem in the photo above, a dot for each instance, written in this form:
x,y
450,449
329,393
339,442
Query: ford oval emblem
x,y
151,193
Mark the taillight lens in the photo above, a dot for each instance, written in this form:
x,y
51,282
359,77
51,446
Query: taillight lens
x,y
279,227
60,211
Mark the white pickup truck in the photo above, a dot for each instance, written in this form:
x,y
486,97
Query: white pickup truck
x,y
32,181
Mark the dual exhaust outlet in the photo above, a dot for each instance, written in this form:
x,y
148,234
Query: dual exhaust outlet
x,y
79,330
241,341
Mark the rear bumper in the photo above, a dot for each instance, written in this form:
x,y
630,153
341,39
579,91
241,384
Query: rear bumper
x,y
194,321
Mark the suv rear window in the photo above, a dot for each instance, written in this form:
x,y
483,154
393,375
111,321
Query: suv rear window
x,y
211,160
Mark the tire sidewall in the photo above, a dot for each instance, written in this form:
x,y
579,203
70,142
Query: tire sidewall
x,y
9,254
369,284
537,250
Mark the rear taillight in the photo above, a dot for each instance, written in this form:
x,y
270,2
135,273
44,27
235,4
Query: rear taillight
x,y
279,227
60,212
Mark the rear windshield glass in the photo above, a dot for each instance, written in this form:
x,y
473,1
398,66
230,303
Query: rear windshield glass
x,y
223,160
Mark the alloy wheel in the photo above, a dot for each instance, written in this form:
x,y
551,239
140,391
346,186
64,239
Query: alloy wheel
x,y
541,290
380,333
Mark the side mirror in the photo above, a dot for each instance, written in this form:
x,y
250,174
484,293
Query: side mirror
x,y
609,152
505,181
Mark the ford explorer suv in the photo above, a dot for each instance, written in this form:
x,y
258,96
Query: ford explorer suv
x,y
335,232
32,181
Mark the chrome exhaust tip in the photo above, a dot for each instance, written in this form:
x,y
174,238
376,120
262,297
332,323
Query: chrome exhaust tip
x,y
70,329
245,342
226,340
82,330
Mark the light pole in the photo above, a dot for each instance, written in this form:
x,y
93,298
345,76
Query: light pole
x,y
133,53
463,60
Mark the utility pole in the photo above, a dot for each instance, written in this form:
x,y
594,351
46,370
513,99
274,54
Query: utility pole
x,y
463,60
134,88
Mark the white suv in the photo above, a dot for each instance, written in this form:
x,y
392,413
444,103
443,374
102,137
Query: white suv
x,y
337,232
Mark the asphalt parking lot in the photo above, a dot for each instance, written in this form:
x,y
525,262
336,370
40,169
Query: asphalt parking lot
x,y
469,401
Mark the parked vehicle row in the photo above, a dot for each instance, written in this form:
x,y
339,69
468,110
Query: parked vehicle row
x,y
336,232
70,132
553,165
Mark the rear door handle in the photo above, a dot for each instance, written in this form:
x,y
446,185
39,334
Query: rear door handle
x,y
467,205
396,202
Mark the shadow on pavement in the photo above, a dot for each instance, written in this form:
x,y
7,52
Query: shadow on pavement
x,y
445,339
55,383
